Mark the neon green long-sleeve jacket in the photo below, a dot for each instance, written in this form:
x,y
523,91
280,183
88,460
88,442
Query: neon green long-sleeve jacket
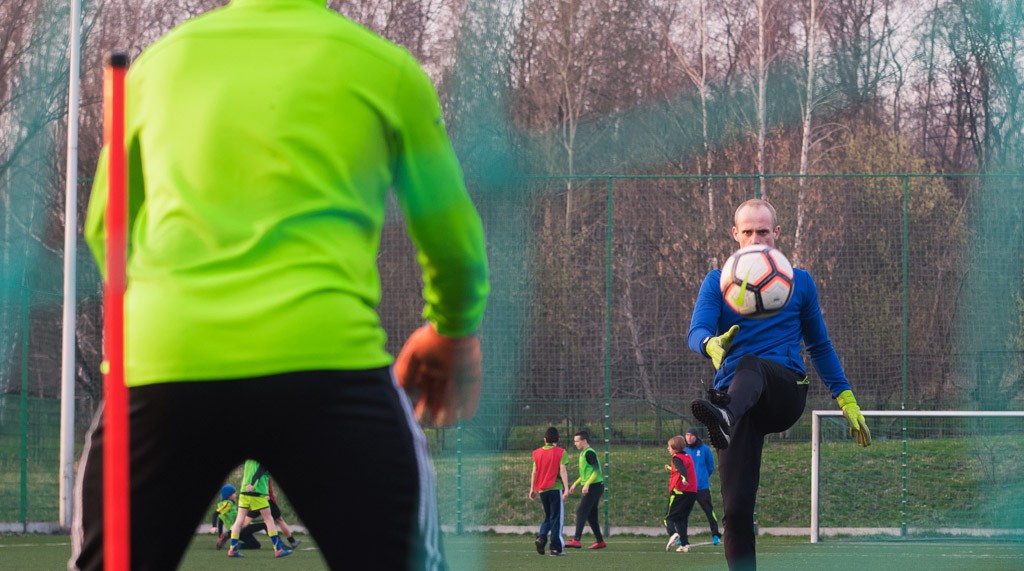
x,y
262,139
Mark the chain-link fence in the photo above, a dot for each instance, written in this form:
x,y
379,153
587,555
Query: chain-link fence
x,y
593,283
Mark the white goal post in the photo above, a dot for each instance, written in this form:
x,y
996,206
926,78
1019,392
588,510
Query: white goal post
x,y
816,441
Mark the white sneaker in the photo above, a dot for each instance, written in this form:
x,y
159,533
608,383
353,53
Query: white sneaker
x,y
673,540
682,549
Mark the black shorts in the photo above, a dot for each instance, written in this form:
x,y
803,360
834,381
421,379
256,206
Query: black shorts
x,y
345,429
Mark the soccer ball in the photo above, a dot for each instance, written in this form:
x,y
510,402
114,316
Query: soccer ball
x,y
757,281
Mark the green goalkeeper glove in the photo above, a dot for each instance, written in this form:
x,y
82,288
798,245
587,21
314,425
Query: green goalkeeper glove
x,y
717,347
858,426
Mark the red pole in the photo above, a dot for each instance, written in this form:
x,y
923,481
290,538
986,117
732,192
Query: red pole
x,y
116,528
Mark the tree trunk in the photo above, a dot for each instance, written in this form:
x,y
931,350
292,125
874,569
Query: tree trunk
x,y
805,143
762,66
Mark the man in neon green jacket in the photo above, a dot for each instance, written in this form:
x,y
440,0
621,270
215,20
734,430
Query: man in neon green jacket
x,y
262,138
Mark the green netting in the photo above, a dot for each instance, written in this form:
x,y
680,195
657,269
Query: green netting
x,y
594,277
574,345
594,281
29,448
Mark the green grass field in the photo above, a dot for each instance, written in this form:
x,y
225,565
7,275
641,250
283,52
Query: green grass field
x,y
516,552
952,482
953,479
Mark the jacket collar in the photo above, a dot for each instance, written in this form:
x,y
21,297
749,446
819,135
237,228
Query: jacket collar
x,y
321,3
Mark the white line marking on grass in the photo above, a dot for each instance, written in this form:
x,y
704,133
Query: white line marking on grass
x,y
34,544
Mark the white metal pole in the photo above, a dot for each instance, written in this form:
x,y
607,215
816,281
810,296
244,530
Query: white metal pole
x,y
815,450
816,415
67,375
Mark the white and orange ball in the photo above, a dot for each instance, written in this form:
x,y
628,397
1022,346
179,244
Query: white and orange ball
x,y
757,281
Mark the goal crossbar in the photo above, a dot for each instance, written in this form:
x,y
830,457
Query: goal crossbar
x,y
816,416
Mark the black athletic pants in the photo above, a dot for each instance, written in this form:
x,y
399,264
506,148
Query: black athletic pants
x,y
247,537
347,435
766,397
586,512
704,499
679,505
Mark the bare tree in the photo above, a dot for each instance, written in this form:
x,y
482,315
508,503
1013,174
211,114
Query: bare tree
x,y
424,27
760,81
927,95
699,76
573,56
810,56
857,32
774,42
984,42
33,80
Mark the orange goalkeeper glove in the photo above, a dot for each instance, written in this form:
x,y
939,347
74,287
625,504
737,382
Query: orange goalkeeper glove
x,y
858,426
441,374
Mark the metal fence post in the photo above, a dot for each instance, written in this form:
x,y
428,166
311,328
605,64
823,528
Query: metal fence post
x,y
608,355
26,312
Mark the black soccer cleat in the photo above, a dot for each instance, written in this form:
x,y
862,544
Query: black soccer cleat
x,y
716,419
720,398
540,542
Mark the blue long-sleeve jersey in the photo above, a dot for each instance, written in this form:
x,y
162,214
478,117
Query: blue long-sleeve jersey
x,y
777,337
703,463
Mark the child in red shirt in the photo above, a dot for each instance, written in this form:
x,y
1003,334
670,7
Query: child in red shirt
x,y
682,493
550,481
